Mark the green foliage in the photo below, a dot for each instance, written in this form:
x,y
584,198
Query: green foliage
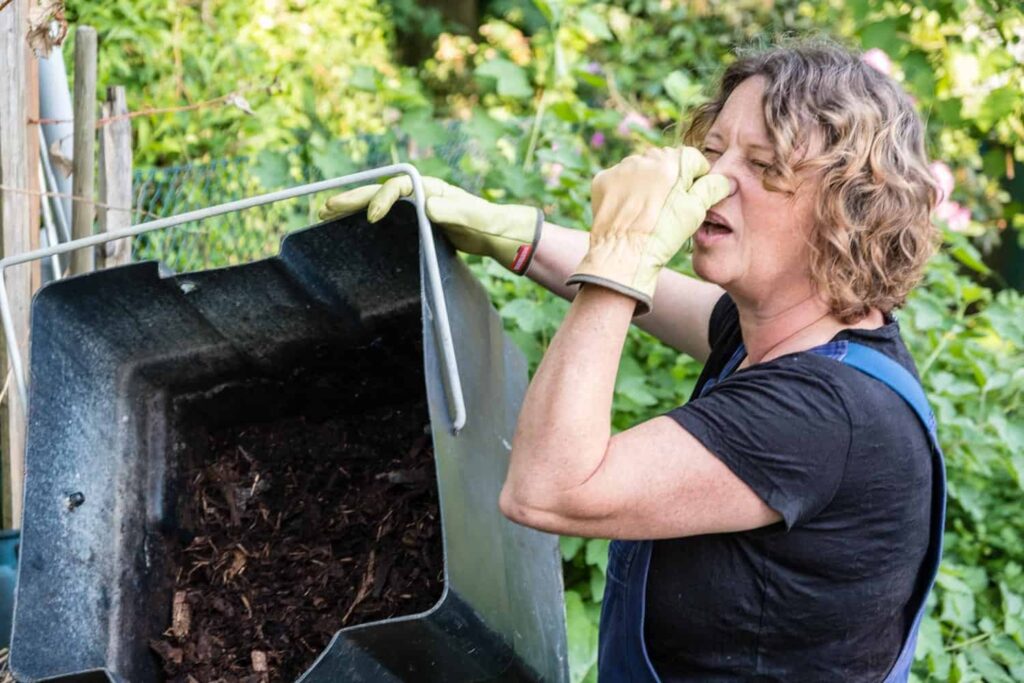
x,y
413,19
969,346
310,71
231,239
963,61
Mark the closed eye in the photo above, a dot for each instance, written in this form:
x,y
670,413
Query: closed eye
x,y
759,164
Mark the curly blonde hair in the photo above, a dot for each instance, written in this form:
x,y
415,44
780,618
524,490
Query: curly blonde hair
x,y
872,231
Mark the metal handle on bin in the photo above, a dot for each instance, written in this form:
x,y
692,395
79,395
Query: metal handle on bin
x,y
439,307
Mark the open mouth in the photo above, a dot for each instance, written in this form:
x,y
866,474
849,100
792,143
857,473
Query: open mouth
x,y
712,228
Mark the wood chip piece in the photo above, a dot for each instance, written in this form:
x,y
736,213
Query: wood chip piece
x,y
181,615
259,661
167,652
365,586
237,565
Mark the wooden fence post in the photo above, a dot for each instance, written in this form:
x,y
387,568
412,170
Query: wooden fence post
x,y
115,181
32,155
82,184
15,217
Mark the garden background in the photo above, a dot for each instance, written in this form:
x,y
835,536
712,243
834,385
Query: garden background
x,y
523,102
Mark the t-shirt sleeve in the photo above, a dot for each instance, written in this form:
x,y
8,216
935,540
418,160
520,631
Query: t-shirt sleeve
x,y
782,428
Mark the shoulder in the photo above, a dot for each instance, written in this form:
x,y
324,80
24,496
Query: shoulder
x,y
782,427
821,367
868,402
794,388
808,383
886,437
865,394
791,427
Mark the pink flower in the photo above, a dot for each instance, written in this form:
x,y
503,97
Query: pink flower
x,y
553,174
960,220
957,217
597,140
944,177
878,59
632,119
592,68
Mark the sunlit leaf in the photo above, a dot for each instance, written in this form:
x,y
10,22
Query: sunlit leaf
x,y
511,79
570,545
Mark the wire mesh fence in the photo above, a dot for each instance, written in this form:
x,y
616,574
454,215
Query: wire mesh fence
x,y
245,236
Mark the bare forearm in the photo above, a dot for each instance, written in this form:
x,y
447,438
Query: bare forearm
x,y
559,252
564,424
682,305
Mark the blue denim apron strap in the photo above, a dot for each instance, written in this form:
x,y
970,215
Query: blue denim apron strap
x,y
738,355
896,377
622,653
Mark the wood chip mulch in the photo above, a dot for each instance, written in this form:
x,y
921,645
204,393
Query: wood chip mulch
x,y
298,529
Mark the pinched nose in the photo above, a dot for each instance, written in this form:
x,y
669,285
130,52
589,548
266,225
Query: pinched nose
x,y
731,186
721,167
710,189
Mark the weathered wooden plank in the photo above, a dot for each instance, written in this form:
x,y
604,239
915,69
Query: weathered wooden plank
x,y
15,214
32,156
83,181
115,176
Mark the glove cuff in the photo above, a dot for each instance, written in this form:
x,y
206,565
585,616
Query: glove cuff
x,y
644,301
523,256
620,264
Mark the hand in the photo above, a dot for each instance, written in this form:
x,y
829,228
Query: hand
x,y
507,233
645,208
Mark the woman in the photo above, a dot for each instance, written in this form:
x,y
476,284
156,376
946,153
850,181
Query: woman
x,y
788,517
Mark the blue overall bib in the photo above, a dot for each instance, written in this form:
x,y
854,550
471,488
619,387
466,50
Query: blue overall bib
x,y
622,654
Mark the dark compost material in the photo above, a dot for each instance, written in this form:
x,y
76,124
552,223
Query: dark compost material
x,y
293,528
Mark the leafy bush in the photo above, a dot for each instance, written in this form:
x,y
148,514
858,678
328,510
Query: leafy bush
x,y
304,69
969,346
964,62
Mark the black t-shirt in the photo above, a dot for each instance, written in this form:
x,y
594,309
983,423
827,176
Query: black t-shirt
x,y
823,595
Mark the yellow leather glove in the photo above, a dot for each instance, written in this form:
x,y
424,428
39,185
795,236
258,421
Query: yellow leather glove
x,y
645,208
508,233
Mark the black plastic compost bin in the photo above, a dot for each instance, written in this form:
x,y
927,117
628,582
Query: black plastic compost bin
x,y
112,350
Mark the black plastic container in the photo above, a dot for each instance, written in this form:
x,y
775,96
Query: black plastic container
x,y
111,350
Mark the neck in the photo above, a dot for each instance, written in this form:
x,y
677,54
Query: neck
x,y
778,325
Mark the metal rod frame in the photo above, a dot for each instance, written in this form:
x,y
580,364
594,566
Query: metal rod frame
x,y
49,232
438,306
51,186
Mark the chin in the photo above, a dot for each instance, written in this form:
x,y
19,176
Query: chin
x,y
706,267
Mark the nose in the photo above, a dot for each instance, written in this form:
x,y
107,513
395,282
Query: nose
x,y
722,166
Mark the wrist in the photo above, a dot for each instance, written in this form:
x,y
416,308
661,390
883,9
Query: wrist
x,y
623,265
525,253
605,296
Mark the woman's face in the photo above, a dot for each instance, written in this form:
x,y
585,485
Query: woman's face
x,y
763,253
